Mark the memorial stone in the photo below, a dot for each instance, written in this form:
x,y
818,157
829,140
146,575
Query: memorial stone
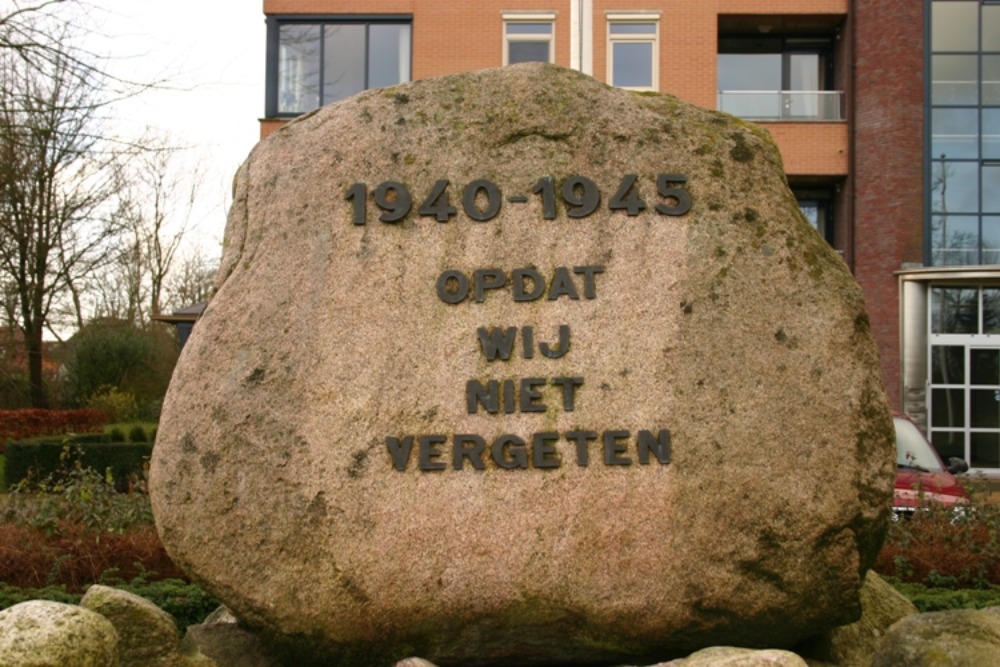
x,y
513,367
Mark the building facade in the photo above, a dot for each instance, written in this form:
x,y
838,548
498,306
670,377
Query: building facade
x,y
886,112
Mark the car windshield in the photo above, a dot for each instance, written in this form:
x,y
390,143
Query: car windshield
x,y
912,449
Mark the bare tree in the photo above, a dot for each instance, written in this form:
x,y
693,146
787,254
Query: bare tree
x,y
155,214
58,182
194,281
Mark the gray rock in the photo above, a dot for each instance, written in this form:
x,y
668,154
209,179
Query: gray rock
x,y
727,656
147,635
733,327
40,633
956,638
229,645
853,645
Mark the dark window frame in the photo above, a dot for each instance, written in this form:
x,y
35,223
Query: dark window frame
x,y
274,23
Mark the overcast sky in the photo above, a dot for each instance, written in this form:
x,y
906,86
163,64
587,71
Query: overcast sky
x,y
211,55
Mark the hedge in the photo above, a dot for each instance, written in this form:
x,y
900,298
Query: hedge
x,y
30,423
39,459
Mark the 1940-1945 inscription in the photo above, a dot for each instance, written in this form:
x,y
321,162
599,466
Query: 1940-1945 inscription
x,y
482,201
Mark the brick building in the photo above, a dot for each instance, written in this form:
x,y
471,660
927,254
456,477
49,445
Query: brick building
x,y
887,114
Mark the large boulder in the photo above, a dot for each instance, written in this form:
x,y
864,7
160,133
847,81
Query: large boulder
x,y
512,366
40,633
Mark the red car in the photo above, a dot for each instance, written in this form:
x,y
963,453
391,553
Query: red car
x,y
922,478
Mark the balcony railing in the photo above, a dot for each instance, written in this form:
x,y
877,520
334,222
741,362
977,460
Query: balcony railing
x,y
783,105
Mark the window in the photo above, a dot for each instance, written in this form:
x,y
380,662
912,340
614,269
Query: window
x,y
315,61
964,365
817,207
777,78
963,176
528,38
633,51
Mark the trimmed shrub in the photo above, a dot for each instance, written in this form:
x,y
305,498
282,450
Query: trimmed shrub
x,y
30,463
137,434
32,423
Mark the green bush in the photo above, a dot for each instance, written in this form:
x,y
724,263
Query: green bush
x,y
30,463
138,434
78,495
119,406
117,435
132,361
927,598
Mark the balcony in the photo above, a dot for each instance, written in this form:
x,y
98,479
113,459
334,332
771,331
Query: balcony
x,y
783,105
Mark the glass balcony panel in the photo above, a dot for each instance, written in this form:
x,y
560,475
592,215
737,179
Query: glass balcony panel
x,y
790,105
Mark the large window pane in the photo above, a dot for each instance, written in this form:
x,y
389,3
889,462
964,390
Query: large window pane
x,y
633,64
985,412
749,71
955,240
991,308
991,80
948,409
955,187
954,133
985,450
527,52
298,68
991,28
343,61
991,188
990,134
388,55
949,443
954,310
985,365
948,364
954,79
956,25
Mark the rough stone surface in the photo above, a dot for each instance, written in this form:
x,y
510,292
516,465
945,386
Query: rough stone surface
x,y
52,634
735,327
229,645
727,656
956,638
853,645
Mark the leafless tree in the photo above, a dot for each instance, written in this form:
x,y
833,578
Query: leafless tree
x,y
194,281
59,179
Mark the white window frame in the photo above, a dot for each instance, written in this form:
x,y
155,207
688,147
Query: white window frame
x,y
652,18
510,18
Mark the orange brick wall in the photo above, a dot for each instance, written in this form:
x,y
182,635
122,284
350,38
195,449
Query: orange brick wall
x,y
456,36
812,148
